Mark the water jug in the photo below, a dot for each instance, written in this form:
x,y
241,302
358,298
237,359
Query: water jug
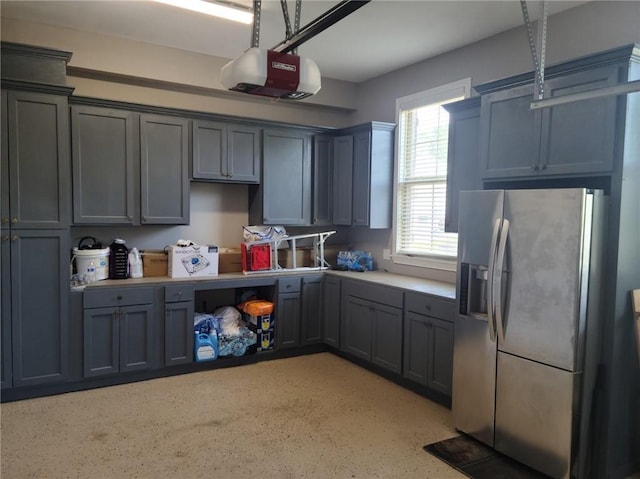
x,y
118,260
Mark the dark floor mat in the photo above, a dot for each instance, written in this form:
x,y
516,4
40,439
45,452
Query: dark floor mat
x,y
479,461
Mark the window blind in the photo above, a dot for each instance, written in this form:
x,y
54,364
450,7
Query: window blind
x,y
422,182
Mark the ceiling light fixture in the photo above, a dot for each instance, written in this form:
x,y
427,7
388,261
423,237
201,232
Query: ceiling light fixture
x,y
211,8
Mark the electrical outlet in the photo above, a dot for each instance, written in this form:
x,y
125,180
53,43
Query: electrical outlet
x,y
386,254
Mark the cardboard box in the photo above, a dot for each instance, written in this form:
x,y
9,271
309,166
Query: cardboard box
x,y
154,263
229,260
194,261
304,258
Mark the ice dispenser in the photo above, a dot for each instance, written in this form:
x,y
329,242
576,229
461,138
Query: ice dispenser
x,y
473,289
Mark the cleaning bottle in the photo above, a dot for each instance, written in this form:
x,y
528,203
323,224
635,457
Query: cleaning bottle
x,y
135,263
118,260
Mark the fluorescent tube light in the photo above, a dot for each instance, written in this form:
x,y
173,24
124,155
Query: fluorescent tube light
x,y
210,8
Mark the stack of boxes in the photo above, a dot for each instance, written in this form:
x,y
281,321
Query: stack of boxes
x,y
259,317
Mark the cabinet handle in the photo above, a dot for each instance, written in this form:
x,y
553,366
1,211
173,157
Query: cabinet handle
x,y
5,237
179,293
15,238
534,167
543,167
119,297
14,220
130,218
5,221
427,307
144,218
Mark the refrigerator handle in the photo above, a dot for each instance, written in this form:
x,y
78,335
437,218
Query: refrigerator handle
x,y
491,269
497,289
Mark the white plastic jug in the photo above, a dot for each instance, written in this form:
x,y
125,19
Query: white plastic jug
x,y
135,263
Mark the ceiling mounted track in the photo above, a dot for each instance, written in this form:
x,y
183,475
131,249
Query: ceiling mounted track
x,y
538,53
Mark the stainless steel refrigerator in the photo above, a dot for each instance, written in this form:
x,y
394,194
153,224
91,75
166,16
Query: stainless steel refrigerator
x,y
526,332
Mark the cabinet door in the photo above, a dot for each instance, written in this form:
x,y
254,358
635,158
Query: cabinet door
x,y
311,310
178,333
101,341
331,311
322,180
288,320
243,154
462,156
209,143
164,186
578,137
5,252
416,348
39,170
342,179
136,337
440,371
4,162
357,327
509,134
39,306
387,339
361,178
104,156
286,183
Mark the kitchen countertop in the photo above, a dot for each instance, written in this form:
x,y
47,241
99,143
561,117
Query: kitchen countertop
x,y
407,283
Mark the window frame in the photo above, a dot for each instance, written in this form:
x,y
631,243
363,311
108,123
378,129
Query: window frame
x,y
459,88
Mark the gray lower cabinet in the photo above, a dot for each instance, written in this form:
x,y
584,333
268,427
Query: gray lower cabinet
x,y
462,155
119,325
225,152
371,324
284,196
288,313
35,307
178,325
298,314
311,317
138,161
428,341
331,311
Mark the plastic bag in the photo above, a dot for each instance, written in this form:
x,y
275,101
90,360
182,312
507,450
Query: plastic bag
x,y
354,260
261,233
230,321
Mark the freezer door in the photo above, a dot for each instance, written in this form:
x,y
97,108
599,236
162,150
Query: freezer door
x,y
535,417
544,308
474,379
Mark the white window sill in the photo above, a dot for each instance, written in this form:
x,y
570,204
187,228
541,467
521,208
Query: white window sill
x,y
424,262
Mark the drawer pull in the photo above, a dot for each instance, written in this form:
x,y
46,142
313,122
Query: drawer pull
x,y
119,297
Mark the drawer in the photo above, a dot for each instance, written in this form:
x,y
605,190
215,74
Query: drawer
x,y
374,292
430,306
288,285
108,297
178,292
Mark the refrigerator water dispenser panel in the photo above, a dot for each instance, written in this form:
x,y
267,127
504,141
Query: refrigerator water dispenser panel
x,y
473,290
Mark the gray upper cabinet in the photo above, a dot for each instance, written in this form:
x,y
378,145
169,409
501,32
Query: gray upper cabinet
x,y
363,176
35,169
462,161
342,179
225,152
573,138
129,168
322,180
284,196
104,165
164,170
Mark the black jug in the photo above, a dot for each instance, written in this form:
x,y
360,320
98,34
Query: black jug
x,y
118,260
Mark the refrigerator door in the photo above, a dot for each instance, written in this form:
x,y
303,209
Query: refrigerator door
x,y
474,357
535,417
543,284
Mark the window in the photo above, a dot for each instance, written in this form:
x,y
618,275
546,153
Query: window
x,y
421,176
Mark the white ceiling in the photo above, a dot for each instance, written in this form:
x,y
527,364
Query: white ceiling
x,y
382,36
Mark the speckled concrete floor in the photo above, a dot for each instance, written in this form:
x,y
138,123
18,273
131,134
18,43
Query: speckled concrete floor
x,y
315,416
